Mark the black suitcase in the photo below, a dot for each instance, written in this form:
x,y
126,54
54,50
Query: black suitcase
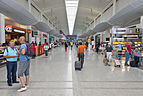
x,y
77,65
133,64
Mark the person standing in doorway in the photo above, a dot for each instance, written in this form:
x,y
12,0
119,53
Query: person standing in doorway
x,y
24,64
10,54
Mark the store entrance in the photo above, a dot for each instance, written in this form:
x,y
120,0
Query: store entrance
x,y
13,36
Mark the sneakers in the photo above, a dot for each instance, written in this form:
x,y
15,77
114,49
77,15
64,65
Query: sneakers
x,y
22,89
26,85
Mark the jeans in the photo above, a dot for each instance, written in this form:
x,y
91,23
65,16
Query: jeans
x,y
136,60
11,71
127,58
46,52
81,58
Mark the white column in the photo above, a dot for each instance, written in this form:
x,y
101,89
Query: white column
x,y
114,7
29,27
141,20
114,12
2,30
42,38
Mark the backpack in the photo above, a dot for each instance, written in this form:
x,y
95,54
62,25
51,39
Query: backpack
x,y
29,50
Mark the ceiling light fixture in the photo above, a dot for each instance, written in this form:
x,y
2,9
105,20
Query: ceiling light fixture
x,y
71,8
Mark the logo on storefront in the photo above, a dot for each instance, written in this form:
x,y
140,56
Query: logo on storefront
x,y
8,28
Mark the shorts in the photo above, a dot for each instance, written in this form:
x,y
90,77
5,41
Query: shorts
x,y
24,68
109,55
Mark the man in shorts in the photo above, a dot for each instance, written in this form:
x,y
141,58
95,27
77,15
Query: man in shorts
x,y
109,50
24,64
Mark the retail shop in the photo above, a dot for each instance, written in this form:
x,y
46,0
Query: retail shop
x,y
13,33
124,36
14,30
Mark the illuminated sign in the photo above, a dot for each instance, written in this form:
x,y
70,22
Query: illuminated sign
x,y
19,31
8,28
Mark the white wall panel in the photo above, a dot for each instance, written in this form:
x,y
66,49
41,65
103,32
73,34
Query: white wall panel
x,y
36,13
23,3
107,15
122,3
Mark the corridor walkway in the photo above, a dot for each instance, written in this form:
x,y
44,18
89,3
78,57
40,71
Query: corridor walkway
x,y
55,76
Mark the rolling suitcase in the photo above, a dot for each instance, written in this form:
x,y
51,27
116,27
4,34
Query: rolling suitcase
x,y
133,64
77,65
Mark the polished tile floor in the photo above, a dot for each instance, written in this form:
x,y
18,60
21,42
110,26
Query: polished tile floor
x,y
55,76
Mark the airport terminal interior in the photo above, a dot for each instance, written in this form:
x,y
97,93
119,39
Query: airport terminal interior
x,y
71,47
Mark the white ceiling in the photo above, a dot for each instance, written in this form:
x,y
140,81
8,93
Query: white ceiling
x,y
56,11
87,11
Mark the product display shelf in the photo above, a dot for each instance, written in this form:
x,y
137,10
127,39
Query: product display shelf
x,y
2,60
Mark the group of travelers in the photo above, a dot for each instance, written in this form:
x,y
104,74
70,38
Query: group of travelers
x,y
23,52
130,54
11,54
67,44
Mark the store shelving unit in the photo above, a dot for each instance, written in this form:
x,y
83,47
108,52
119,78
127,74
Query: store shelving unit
x,y
2,60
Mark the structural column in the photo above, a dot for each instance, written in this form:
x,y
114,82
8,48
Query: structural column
x,y
2,30
141,20
29,27
114,12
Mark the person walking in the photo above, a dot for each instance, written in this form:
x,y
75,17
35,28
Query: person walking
x,y
80,53
10,54
97,47
109,50
33,50
24,64
86,45
66,46
129,49
46,48
126,57
71,43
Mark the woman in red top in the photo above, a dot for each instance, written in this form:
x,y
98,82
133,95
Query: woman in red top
x,y
33,50
129,48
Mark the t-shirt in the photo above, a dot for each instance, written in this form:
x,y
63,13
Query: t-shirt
x,y
23,58
119,46
93,43
129,48
109,48
136,52
10,52
71,43
46,47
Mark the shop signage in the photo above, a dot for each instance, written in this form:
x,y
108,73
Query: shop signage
x,y
44,35
8,28
35,33
119,31
19,31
